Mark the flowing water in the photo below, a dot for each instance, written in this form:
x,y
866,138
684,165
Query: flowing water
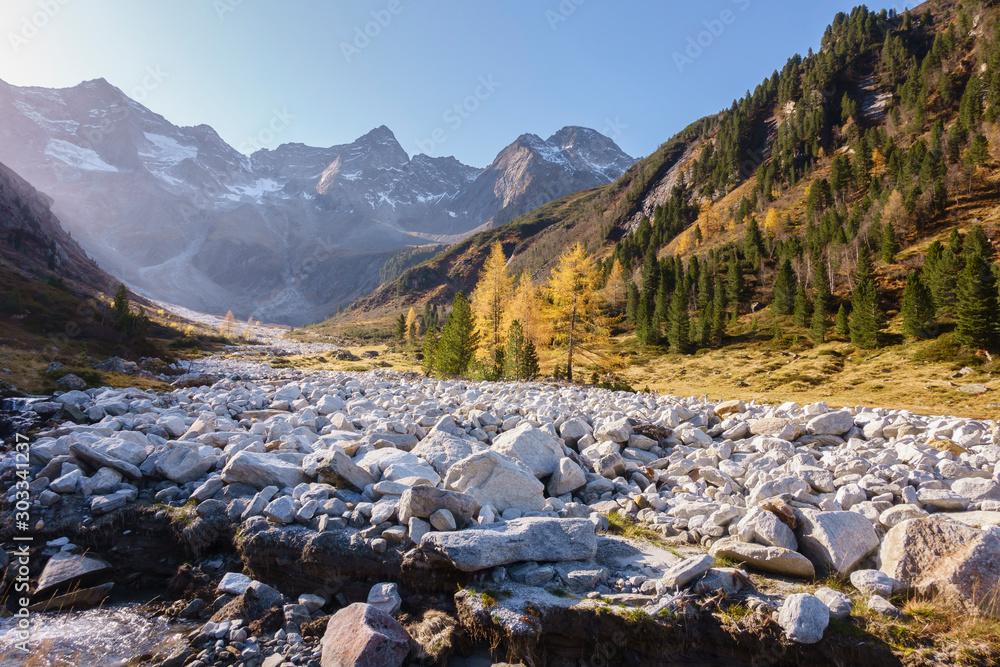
x,y
95,638
15,416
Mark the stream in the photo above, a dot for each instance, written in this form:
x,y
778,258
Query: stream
x,y
104,637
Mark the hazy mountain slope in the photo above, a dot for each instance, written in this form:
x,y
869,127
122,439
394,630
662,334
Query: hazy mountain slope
x,y
285,234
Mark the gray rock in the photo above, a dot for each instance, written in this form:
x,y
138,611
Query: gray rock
x,y
618,430
282,510
385,597
183,464
687,571
873,582
262,470
528,539
537,450
443,520
770,531
97,459
880,605
71,382
103,504
952,560
804,618
423,501
443,450
766,559
66,569
495,480
836,542
840,604
567,478
831,423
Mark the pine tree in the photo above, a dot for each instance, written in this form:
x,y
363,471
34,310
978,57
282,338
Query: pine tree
x,y
459,339
123,307
514,359
650,283
821,296
736,286
867,318
801,308
890,245
400,327
660,314
574,302
784,290
977,305
917,308
678,325
842,326
718,314
430,350
531,367
632,304
977,243
491,297
943,280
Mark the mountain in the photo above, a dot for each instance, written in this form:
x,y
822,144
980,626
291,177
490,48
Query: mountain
x,y
884,140
285,235
33,242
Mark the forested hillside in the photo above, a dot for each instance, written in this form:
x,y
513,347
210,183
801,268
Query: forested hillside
x,y
854,184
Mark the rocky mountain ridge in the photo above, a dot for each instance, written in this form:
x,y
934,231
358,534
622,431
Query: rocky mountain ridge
x,y
285,234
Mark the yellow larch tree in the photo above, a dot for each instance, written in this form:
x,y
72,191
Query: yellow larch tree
x,y
614,288
411,324
525,308
490,299
771,222
575,313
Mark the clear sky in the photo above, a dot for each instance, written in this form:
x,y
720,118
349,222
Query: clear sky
x,y
449,77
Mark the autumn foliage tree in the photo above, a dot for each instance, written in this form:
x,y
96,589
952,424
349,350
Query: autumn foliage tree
x,y
574,302
491,298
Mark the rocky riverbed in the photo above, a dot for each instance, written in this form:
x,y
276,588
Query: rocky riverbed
x,y
328,518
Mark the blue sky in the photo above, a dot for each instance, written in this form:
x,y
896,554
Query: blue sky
x,y
451,77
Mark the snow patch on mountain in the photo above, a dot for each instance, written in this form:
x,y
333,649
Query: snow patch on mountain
x,y
77,156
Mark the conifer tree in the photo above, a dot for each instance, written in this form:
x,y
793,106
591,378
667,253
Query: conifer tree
x,y
459,339
718,314
821,296
514,357
531,367
917,308
842,326
784,290
678,324
890,245
944,280
400,327
867,318
632,304
736,286
977,305
430,350
801,308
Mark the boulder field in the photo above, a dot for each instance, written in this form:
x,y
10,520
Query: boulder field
x,y
330,482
